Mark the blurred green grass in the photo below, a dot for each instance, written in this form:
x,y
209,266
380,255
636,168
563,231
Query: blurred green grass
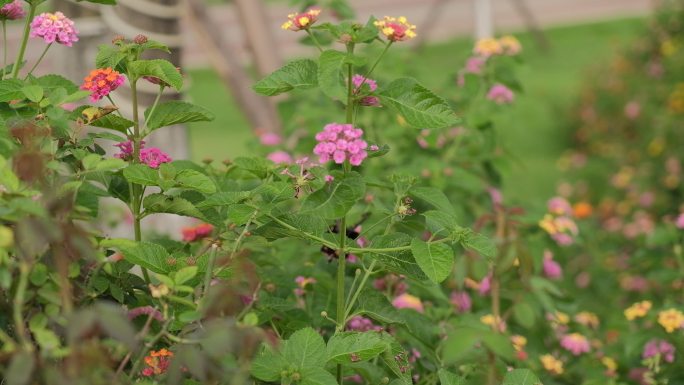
x,y
532,131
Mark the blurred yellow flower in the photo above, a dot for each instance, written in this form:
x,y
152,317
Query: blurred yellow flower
x,y
671,320
551,364
638,310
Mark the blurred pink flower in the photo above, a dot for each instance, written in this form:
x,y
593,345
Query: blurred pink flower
x,y
559,206
575,343
279,157
485,285
680,221
407,301
656,346
270,139
632,110
362,324
474,65
461,301
552,269
500,94
12,11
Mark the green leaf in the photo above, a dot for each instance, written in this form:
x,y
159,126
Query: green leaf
x,y
435,259
299,74
521,377
345,348
113,122
448,378
268,365
331,75
458,343
194,180
110,56
110,164
417,105
434,197
185,274
480,243
401,262
11,89
161,69
524,314
141,174
146,254
20,369
376,306
160,203
499,344
239,214
335,200
441,223
305,349
317,376
52,82
255,165
176,112
224,198
33,93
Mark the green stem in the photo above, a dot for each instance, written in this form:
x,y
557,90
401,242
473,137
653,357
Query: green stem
x,y
4,48
19,297
366,275
39,60
154,106
210,269
137,191
315,41
355,250
24,40
109,97
377,61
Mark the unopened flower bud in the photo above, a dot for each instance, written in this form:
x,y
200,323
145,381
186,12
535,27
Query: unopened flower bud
x,y
140,39
118,39
296,376
385,381
270,287
345,38
324,314
207,160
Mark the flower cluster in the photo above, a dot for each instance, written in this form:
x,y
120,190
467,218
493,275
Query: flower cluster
x,y
656,347
12,11
396,28
341,142
126,149
101,82
671,320
300,21
500,94
552,269
461,301
302,282
408,301
506,45
195,233
575,343
157,362
558,223
54,28
366,100
154,157
362,324
551,364
637,310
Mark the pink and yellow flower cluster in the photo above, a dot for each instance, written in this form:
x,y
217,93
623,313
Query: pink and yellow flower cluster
x,y
396,28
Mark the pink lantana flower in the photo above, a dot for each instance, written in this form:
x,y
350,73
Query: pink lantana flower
x,y
656,346
500,94
407,301
12,11
575,343
359,81
552,269
154,157
279,157
341,142
461,301
102,82
54,28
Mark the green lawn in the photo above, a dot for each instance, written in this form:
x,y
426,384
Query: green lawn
x,y
532,130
